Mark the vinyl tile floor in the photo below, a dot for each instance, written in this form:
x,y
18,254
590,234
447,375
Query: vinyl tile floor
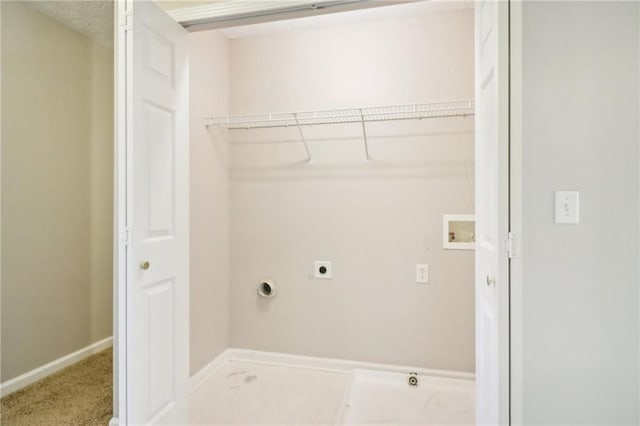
x,y
380,398
246,393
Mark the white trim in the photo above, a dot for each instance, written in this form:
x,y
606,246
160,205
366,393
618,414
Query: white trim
x,y
335,365
516,212
205,372
0,159
311,363
503,291
122,60
233,8
54,366
114,421
493,386
233,13
639,262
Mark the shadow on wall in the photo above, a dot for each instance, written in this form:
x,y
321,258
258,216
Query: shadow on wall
x,y
419,150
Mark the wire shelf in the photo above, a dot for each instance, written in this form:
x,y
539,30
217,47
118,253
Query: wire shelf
x,y
345,116
361,116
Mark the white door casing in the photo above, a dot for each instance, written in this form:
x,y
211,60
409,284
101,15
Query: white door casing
x,y
156,341
156,92
492,217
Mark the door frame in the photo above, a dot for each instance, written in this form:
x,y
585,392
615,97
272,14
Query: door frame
x,y
515,210
122,68
512,322
506,239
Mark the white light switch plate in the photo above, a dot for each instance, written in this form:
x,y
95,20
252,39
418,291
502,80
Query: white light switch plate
x,y
422,274
567,207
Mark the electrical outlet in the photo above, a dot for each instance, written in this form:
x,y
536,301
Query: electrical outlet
x,y
322,270
422,274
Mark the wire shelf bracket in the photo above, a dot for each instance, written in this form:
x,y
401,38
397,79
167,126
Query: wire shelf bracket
x,y
364,135
304,142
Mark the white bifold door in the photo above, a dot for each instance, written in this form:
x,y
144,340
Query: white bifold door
x,y
153,58
492,207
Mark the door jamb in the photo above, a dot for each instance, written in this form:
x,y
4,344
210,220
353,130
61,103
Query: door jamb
x,y
515,210
122,64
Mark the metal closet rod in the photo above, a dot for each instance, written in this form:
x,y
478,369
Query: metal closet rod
x,y
458,108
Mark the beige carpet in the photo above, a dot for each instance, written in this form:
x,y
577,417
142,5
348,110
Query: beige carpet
x,y
81,394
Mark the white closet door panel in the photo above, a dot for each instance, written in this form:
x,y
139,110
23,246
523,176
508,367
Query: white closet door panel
x,y
157,209
492,222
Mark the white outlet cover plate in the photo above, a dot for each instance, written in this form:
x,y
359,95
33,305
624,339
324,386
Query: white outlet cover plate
x,y
316,270
422,274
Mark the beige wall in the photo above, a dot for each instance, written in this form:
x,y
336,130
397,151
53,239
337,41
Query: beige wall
x,y
56,190
374,221
101,192
209,200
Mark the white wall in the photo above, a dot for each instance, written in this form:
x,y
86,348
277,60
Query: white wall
x,y
209,238
374,221
580,291
56,190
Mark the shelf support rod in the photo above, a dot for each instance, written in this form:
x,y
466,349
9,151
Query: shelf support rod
x,y
364,134
304,142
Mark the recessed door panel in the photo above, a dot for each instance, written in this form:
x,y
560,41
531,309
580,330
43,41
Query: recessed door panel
x,y
161,342
159,55
160,143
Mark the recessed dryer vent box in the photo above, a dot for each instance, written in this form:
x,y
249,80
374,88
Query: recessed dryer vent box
x,y
459,232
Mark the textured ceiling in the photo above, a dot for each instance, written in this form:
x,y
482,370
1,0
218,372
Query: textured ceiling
x,y
93,18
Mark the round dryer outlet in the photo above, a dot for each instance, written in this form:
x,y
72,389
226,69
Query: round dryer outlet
x,y
267,288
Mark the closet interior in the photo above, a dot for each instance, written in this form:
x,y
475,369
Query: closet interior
x,y
328,155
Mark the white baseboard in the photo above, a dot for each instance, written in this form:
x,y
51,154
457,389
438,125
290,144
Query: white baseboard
x,y
114,421
316,363
332,364
205,372
41,372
